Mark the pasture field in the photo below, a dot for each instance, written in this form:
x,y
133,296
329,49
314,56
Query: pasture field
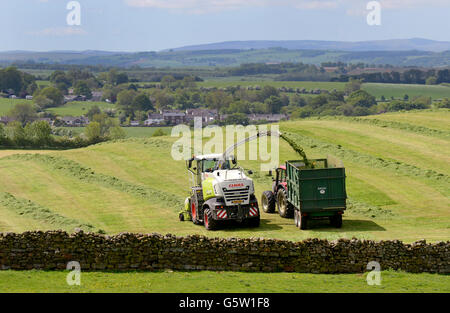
x,y
7,104
220,282
397,181
398,91
78,108
292,84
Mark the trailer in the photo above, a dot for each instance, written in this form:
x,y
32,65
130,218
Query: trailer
x,y
313,191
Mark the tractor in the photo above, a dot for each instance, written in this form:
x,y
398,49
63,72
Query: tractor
x,y
315,190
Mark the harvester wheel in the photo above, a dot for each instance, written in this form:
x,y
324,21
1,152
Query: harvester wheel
x,y
194,213
209,221
285,209
268,201
336,221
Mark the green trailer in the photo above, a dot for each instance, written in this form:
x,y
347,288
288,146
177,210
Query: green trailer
x,y
316,191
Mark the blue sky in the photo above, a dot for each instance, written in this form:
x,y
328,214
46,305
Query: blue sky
x,y
152,25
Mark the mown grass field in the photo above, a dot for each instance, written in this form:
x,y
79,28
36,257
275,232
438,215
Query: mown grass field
x,y
130,132
398,183
220,282
397,167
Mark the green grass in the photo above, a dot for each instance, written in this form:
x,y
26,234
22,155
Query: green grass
x,y
220,282
398,91
7,104
130,132
397,181
304,84
78,108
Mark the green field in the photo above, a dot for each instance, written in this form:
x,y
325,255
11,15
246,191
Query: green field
x,y
136,132
7,104
398,91
78,108
397,183
220,282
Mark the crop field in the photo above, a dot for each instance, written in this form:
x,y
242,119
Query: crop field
x,y
397,167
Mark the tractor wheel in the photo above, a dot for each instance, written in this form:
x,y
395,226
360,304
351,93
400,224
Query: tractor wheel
x,y
268,201
285,209
209,221
194,212
302,221
336,221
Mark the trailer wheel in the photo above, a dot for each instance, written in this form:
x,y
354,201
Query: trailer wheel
x,y
268,201
336,221
285,209
209,221
302,221
296,218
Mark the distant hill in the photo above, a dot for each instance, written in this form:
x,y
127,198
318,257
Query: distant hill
x,y
376,45
405,52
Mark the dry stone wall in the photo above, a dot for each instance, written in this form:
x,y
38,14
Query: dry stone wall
x,y
52,250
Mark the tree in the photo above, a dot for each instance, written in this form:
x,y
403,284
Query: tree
x,y
237,119
23,113
117,132
16,133
274,104
38,132
352,86
93,132
11,79
125,100
93,111
431,80
168,81
52,93
42,101
361,98
82,89
142,103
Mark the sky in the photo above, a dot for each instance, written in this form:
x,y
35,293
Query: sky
x,y
153,25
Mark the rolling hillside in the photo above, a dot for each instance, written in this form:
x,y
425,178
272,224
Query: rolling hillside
x,y
397,168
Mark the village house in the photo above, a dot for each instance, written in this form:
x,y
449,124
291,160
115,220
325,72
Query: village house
x,y
270,118
46,119
134,123
174,117
75,121
207,116
97,96
5,120
154,119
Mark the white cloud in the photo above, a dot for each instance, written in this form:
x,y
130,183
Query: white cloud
x,y
59,31
351,6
